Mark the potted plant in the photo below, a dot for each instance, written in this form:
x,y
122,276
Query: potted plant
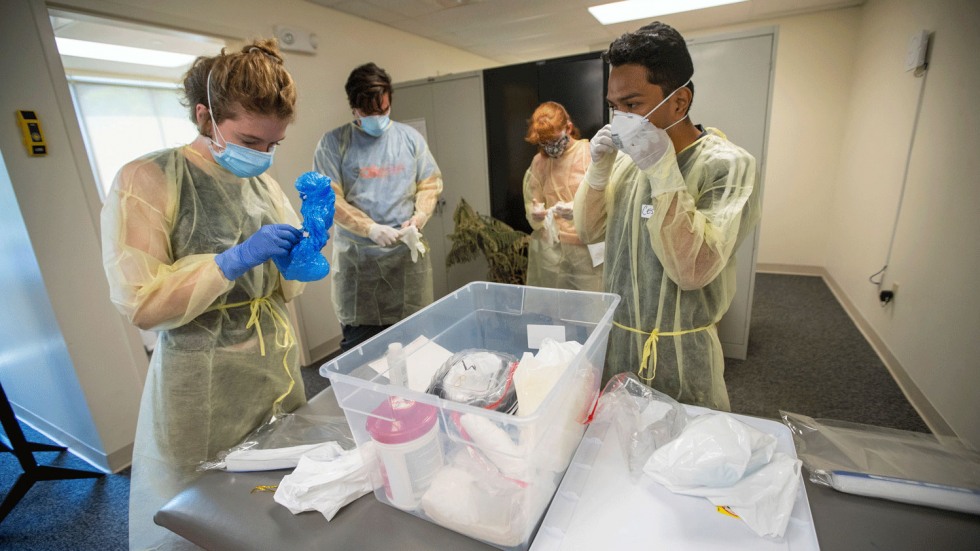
x,y
504,248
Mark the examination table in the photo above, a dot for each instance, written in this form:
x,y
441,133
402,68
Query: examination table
x,y
220,512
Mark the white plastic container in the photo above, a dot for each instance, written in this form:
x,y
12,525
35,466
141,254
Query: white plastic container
x,y
397,374
406,437
498,471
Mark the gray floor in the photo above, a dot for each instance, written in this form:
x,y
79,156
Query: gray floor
x,y
805,356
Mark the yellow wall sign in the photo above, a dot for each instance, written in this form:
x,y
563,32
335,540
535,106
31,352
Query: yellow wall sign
x,y
30,126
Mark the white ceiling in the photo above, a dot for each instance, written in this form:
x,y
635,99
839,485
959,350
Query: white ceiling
x,y
515,31
96,29
506,31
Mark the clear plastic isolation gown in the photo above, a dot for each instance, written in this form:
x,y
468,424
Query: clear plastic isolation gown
x,y
224,353
386,180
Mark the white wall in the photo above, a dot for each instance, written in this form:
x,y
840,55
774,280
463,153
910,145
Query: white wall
x,y
80,385
811,82
843,120
933,325
810,87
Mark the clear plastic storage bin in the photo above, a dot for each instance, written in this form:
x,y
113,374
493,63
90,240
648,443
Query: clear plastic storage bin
x,y
486,474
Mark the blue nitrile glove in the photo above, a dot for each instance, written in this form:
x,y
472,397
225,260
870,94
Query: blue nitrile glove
x,y
271,240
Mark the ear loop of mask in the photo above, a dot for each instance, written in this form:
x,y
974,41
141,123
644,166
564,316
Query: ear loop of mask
x,y
214,125
678,121
665,101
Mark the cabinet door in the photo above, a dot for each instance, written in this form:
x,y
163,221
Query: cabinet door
x,y
512,94
449,112
732,77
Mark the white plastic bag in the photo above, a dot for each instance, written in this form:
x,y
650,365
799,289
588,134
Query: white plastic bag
x,y
714,450
326,480
248,460
712,455
732,465
763,499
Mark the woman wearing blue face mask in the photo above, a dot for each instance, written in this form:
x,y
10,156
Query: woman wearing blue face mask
x,y
386,184
189,238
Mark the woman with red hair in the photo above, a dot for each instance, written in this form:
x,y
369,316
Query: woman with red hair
x,y
557,258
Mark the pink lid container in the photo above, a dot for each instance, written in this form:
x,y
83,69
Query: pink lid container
x,y
409,420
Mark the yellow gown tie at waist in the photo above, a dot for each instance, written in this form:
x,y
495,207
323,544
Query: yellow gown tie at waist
x,y
650,346
283,340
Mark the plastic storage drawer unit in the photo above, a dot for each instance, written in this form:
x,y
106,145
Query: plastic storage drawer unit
x,y
484,473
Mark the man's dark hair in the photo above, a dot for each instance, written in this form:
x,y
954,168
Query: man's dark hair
x,y
366,86
659,48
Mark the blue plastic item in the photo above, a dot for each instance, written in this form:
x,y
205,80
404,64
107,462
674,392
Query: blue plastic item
x,y
305,262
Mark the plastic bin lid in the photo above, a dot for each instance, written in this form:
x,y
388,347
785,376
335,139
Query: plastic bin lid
x,y
397,420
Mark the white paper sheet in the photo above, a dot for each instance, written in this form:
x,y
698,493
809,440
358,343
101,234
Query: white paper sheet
x,y
422,359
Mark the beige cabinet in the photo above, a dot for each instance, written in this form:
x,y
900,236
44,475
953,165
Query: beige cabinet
x,y
449,112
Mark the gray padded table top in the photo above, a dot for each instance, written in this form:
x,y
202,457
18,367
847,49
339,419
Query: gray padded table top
x,y
219,512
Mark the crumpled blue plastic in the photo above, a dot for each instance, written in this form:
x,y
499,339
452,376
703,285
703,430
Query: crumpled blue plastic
x,y
305,262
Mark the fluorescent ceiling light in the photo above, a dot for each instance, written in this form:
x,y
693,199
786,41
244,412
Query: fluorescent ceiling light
x,y
617,12
124,54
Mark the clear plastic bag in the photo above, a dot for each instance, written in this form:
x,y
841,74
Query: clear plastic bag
x,y
471,496
478,377
711,455
279,443
645,418
905,466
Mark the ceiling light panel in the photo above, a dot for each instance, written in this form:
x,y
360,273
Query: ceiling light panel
x,y
629,10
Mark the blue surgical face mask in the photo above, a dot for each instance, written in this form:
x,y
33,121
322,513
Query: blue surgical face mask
x,y
627,125
375,125
241,161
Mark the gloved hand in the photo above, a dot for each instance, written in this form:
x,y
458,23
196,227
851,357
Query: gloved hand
x,y
564,210
647,146
603,155
272,240
384,236
417,220
411,236
538,211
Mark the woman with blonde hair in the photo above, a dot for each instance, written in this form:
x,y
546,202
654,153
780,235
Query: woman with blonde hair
x,y
557,258
189,236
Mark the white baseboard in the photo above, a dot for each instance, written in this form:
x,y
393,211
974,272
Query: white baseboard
x,y
112,463
929,414
321,351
